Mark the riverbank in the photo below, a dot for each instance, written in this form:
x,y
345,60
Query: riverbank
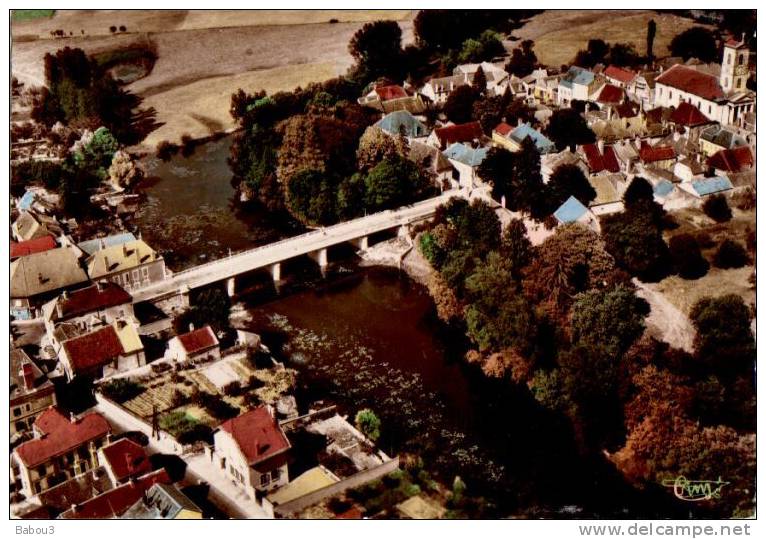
x,y
400,253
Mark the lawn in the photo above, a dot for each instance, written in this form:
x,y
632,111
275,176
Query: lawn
x,y
559,34
18,15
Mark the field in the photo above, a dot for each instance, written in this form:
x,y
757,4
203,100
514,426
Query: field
x,y
559,34
19,15
204,56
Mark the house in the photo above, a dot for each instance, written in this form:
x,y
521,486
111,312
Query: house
x,y
641,88
619,77
511,138
163,501
111,349
99,304
392,97
715,138
197,344
626,154
541,87
441,137
577,83
115,502
30,247
573,211
703,187
466,160
38,276
252,450
657,156
62,448
384,93
31,392
401,122
610,95
609,190
551,161
497,77
599,157
734,160
433,160
688,168
132,265
123,460
438,89
688,115
89,247
30,226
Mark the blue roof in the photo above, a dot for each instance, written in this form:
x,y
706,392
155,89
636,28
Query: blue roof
x,y
570,211
91,246
543,143
663,188
577,75
394,121
708,186
26,201
465,154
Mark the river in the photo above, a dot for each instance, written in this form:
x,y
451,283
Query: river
x,y
369,337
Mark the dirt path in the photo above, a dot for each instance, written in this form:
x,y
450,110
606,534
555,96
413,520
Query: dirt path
x,y
666,322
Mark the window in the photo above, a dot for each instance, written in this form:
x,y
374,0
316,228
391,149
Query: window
x,y
739,83
136,276
725,81
728,58
710,109
275,474
264,479
741,59
16,412
145,273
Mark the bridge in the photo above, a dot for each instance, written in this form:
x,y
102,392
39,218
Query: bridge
x,y
314,244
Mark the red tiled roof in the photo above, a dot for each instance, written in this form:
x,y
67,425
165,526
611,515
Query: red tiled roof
x,y
93,349
126,458
598,162
257,434
458,133
115,502
610,94
198,340
731,42
392,91
93,298
60,435
689,115
733,160
620,74
503,128
649,154
692,81
37,245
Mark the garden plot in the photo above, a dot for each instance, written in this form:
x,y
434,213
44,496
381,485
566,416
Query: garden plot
x,y
224,372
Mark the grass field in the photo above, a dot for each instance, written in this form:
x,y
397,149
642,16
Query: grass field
x,y
19,15
559,34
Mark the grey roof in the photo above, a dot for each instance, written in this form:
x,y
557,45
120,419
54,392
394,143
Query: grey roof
x,y
91,246
720,136
466,155
45,272
394,122
420,152
161,502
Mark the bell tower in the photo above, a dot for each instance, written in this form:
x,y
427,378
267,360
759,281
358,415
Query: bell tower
x,y
734,65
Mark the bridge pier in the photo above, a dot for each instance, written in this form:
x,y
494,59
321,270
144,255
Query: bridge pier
x,y
361,244
230,286
403,231
276,272
320,257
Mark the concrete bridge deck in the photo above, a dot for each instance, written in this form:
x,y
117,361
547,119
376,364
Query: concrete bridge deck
x,y
312,243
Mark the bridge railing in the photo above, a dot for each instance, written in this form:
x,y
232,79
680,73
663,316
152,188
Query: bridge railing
x,y
318,232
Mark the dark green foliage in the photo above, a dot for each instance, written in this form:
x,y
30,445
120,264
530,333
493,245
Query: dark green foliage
x,y
210,306
122,389
459,104
523,60
516,247
569,180
638,191
215,405
393,182
481,49
696,42
651,32
634,239
717,208
25,173
595,53
567,128
730,254
479,82
311,196
687,259
724,339
377,49
442,30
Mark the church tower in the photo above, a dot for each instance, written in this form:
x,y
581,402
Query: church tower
x,y
734,67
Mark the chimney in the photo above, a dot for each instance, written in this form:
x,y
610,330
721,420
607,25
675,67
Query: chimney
x,y
587,107
257,447
65,294
72,417
129,464
28,375
59,309
106,262
600,144
191,327
73,508
100,285
101,243
519,122
40,278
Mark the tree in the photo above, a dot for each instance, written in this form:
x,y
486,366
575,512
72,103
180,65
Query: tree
x,y
723,337
567,128
623,54
730,254
479,82
459,104
634,238
375,146
687,259
368,423
311,197
392,183
717,208
489,111
448,308
486,47
696,42
568,180
123,172
523,60
637,192
595,53
612,318
377,49
651,32
516,247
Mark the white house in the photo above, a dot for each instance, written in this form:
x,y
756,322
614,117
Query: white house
x,y
197,344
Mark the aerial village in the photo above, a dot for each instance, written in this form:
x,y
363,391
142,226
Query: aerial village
x,y
132,398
